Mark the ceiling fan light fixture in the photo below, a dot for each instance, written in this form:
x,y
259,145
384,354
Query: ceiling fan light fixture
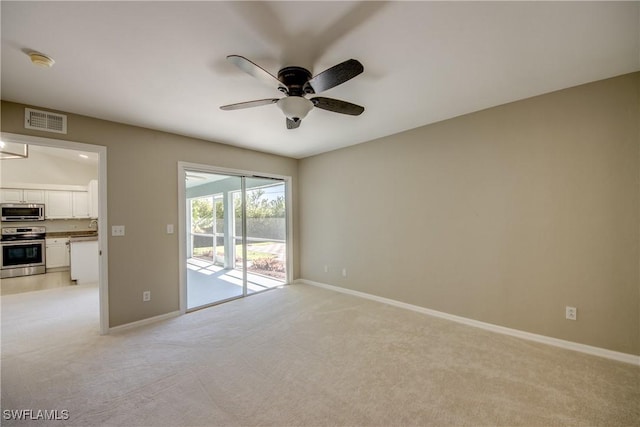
x,y
295,107
41,60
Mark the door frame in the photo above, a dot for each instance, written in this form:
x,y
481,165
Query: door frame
x,y
103,265
182,232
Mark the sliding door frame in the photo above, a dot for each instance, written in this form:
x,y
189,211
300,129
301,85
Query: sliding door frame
x,y
183,167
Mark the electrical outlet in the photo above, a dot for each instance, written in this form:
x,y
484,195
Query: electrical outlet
x,y
146,296
117,230
326,268
344,272
571,313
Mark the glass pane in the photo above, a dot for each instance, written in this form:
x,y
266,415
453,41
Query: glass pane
x,y
237,228
266,233
21,254
202,221
212,274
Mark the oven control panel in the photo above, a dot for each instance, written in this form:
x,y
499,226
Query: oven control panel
x,y
12,231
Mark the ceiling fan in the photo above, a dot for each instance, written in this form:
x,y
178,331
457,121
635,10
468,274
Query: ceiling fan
x,y
296,83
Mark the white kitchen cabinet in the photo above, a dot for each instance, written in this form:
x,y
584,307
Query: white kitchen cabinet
x,y
93,198
11,195
18,195
33,196
59,204
84,261
57,253
80,204
62,204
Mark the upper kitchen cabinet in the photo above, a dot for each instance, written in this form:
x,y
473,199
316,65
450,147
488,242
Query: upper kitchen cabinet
x,y
59,204
93,198
16,195
80,204
66,204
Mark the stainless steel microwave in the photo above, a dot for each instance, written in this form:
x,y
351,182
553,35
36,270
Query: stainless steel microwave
x,y
22,212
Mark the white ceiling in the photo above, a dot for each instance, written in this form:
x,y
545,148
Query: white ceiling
x,y
162,65
193,178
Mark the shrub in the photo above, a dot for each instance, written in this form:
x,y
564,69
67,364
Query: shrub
x,y
269,264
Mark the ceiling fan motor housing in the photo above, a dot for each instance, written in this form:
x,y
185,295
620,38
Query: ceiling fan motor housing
x,y
295,79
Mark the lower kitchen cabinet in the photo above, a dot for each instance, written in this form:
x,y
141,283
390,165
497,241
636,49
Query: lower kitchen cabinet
x,y
84,261
57,253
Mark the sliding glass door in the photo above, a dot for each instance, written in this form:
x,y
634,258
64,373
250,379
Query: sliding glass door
x,y
265,233
212,275
236,236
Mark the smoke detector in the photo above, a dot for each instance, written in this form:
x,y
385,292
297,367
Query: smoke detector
x,y
41,60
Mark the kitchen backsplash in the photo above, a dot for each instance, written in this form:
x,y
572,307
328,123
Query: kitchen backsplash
x,y
53,225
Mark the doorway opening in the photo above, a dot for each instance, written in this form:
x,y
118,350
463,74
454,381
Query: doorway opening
x,y
75,215
235,238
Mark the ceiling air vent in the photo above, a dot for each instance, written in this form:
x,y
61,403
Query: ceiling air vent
x,y
45,121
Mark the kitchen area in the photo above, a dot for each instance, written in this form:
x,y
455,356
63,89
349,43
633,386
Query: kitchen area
x,y
49,229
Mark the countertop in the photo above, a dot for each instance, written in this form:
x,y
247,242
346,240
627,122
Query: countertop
x,y
76,239
74,236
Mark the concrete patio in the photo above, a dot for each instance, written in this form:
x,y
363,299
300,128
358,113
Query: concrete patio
x,y
208,283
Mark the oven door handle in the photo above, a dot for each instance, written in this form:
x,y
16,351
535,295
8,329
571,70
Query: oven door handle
x,y
21,242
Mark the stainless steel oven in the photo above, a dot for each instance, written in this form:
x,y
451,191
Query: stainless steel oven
x,y
23,251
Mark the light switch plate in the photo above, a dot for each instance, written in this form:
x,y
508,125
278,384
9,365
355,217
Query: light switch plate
x,y
117,230
169,228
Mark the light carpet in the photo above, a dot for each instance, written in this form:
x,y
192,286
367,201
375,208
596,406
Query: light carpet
x,y
296,356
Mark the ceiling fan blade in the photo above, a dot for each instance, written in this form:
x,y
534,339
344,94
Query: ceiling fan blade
x,y
291,124
249,104
255,70
337,106
336,75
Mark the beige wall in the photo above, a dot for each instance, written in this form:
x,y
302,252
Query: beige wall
x,y
143,195
505,216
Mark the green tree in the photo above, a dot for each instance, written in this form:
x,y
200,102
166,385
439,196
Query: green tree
x,y
202,215
265,216
260,207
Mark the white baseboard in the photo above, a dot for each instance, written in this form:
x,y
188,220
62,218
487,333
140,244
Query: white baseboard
x,y
144,321
569,345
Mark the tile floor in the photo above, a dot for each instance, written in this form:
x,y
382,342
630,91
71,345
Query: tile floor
x,y
36,282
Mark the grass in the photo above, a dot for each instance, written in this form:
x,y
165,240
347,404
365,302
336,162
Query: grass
x,y
251,255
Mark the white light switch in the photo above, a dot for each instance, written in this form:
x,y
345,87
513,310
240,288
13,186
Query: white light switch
x,y
117,230
169,228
